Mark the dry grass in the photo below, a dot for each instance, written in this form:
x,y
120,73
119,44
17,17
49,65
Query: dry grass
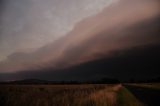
x,y
59,95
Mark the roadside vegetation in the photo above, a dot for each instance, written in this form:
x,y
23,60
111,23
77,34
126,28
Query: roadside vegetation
x,y
66,95
126,98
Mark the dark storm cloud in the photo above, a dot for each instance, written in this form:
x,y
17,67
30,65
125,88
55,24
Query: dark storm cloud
x,y
136,63
102,42
115,28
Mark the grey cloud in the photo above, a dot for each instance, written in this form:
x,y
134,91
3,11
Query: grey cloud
x,y
122,26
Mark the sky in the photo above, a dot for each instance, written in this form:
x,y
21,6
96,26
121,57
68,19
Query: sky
x,y
45,36
30,24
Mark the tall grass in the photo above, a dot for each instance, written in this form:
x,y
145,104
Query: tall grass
x,y
63,95
54,95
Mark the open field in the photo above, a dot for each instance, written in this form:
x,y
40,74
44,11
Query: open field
x,y
66,95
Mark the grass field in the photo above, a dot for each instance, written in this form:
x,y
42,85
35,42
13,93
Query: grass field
x,y
67,95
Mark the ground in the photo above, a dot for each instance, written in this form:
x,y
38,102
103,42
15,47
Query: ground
x,y
76,95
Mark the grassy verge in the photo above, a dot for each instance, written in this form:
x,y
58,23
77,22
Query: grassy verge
x,y
126,98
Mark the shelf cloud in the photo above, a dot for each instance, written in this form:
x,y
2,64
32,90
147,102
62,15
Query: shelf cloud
x,y
111,27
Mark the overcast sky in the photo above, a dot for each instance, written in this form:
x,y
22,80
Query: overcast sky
x,y
26,25
57,34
